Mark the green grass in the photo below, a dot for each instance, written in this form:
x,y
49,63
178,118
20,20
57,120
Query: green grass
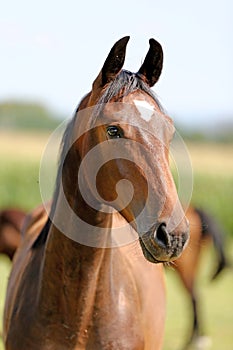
x,y
216,307
214,193
20,155
5,266
19,184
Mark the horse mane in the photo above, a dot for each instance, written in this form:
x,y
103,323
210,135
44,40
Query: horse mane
x,y
124,83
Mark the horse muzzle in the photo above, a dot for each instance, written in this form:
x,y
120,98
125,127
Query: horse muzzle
x,y
158,245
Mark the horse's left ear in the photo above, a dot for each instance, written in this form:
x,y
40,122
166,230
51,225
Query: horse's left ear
x,y
152,66
113,63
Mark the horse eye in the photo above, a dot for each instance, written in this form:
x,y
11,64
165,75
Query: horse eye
x,y
113,131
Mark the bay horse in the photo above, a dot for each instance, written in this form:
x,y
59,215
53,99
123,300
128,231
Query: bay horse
x,y
203,230
71,287
11,222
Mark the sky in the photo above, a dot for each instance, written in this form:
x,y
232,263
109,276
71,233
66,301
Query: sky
x,y
51,51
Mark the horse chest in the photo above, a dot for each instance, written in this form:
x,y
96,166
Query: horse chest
x,y
112,322
115,323
113,319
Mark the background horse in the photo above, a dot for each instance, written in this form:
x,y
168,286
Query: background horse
x,y
203,230
11,222
63,294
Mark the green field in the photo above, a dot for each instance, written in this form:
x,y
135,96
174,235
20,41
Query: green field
x,y
216,307
213,190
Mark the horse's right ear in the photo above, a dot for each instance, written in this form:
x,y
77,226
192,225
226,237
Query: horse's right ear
x,y
113,63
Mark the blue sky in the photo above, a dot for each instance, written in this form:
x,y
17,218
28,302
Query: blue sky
x,y
51,51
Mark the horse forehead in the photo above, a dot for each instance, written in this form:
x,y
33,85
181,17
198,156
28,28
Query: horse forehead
x,y
145,109
141,99
148,113
141,110
136,105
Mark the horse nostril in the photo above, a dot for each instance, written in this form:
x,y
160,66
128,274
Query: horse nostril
x,y
162,237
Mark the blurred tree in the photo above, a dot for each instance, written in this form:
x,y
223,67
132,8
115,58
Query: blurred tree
x,y
27,116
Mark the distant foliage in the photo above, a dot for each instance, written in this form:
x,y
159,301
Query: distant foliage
x,y
222,132
26,116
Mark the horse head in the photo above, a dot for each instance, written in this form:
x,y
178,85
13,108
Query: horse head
x,y
120,141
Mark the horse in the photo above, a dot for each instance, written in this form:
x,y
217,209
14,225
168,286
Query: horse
x,y
203,230
89,274
11,222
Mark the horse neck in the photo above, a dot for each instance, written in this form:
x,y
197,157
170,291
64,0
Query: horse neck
x,y
69,277
79,268
71,271
74,279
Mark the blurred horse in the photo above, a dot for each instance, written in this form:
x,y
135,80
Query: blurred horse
x,y
203,230
11,222
70,287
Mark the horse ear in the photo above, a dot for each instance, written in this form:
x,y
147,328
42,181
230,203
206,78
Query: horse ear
x,y
152,66
113,63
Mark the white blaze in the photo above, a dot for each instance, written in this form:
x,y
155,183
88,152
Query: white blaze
x,y
145,109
